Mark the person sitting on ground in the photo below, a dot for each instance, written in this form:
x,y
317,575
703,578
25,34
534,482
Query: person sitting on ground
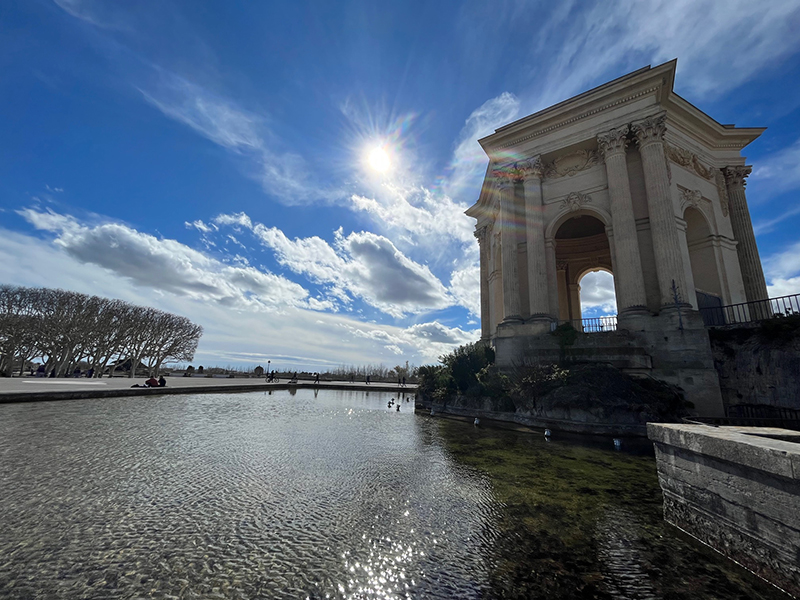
x,y
152,382
162,382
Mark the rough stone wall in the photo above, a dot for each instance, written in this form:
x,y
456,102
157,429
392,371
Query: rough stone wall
x,y
759,365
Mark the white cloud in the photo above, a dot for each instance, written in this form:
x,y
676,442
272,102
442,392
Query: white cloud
x,y
629,34
296,338
362,264
99,14
465,286
597,294
167,265
782,272
765,226
783,264
776,173
240,219
200,226
468,164
283,174
417,211
428,340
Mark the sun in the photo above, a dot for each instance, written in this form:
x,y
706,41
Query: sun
x,y
379,160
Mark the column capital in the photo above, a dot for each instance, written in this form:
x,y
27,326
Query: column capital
x,y
735,176
480,234
650,129
614,141
505,177
531,168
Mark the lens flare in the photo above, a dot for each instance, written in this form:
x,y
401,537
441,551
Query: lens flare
x,y
379,160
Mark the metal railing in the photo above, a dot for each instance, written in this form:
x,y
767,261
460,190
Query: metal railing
x,y
594,324
751,312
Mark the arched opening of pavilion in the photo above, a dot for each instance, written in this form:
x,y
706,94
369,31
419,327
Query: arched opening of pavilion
x,y
582,247
598,300
702,258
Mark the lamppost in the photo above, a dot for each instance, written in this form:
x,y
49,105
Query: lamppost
x,y
268,371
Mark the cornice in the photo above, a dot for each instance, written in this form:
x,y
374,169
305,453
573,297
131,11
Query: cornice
x,y
579,117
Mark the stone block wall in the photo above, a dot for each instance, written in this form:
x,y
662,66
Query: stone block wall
x,y
759,364
737,491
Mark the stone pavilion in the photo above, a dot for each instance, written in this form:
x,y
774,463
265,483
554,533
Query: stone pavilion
x,y
631,179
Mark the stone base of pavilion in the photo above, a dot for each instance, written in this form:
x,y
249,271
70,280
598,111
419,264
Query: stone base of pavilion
x,y
672,347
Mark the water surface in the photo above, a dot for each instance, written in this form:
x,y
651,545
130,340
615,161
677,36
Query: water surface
x,y
333,495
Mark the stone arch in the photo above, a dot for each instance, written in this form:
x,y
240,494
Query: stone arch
x,y
600,322
566,214
582,245
702,257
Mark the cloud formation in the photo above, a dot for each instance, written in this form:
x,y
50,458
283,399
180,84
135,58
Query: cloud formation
x,y
170,266
360,265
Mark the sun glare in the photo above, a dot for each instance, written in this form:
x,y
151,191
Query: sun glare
x,y
379,160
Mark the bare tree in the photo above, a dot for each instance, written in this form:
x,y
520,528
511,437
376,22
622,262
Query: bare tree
x,y
66,329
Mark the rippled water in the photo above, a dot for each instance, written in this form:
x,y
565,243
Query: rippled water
x,y
298,496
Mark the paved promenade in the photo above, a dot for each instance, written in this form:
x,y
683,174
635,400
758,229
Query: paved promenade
x,y
26,389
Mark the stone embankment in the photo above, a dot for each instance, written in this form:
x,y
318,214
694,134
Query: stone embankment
x,y
736,489
35,390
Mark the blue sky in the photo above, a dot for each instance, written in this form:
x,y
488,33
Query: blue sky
x,y
213,158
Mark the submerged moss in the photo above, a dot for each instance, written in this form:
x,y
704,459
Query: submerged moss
x,y
582,521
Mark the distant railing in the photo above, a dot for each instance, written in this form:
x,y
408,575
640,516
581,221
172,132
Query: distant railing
x,y
751,312
595,324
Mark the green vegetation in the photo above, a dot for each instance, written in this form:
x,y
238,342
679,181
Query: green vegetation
x,y
587,392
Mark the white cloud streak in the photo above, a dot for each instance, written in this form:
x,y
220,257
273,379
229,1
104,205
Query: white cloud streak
x,y
283,174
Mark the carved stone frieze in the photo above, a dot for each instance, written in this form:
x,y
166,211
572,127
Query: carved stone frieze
x,y
650,129
690,197
571,163
689,160
575,200
614,141
722,190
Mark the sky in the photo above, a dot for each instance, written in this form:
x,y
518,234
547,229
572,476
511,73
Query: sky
x,y
293,175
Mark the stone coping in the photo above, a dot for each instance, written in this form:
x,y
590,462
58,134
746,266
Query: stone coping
x,y
211,388
753,447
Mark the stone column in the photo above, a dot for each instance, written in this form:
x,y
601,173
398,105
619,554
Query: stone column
x,y
666,244
628,277
575,313
539,300
755,288
508,249
563,292
552,278
483,243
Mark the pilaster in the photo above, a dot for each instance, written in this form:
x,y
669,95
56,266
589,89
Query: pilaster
x,y
649,134
628,277
755,287
508,248
539,300
480,234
